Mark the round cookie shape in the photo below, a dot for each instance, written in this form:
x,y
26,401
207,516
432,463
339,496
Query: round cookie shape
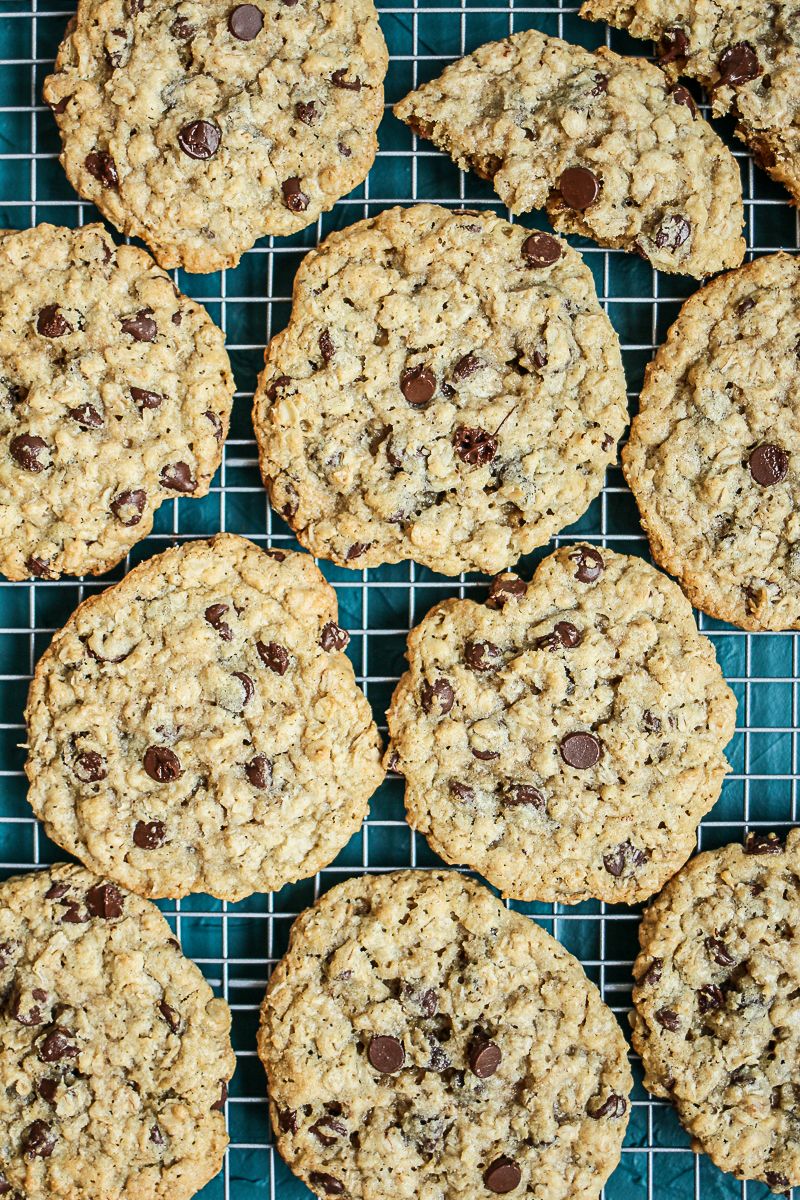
x,y
115,1053
715,1000
198,726
202,127
448,390
498,1065
714,454
566,737
115,395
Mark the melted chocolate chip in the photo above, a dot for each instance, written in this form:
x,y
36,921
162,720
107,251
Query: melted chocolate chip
x,y
503,1175
181,29
56,1045
461,791
709,997
579,187
149,835
612,1106
177,477
32,1015
356,550
429,1002
474,446
622,856
333,637
246,22
482,656
653,973
673,46
56,891
219,1105
156,1136
141,326
651,722
102,167
39,567
215,422
105,901
668,1019
319,1179
38,1140
274,656
524,794
214,614
762,843
277,385
719,952
162,764
128,506
170,1015
486,755
326,346
466,366
259,772
144,399
418,384
589,564
484,1058
25,449
47,1089
768,464
328,1130
199,139
287,1119
437,697
386,1054
307,113
504,588
541,250
580,750
564,635
52,323
293,197
776,1180
248,687
673,232
89,766
339,79
738,64
86,415
682,95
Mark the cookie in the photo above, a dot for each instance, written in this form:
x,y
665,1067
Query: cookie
x,y
114,1054
715,1022
714,454
746,54
115,395
603,143
200,127
448,390
198,727
422,1040
566,737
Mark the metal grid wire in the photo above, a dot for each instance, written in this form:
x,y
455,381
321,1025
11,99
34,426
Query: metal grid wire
x,y
237,944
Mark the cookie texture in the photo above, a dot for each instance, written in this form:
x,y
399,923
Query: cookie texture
x,y
115,395
421,1040
714,453
602,142
200,127
715,1021
566,737
115,1055
746,54
198,727
448,390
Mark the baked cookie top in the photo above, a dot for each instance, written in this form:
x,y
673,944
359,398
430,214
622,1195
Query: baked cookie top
x,y
198,727
200,127
714,454
448,389
603,142
115,394
746,54
566,737
715,1021
422,1040
114,1054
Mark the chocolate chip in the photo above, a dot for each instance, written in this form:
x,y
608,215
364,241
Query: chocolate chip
x,y
482,656
274,656
32,1015
502,1176
89,766
105,901
51,322
141,326
344,150
101,165
709,997
673,232
170,1016
318,1179
246,22
333,637
429,1002
38,1140
214,614
128,506
437,696
484,1058
219,1105
60,106
519,794
682,95
326,346
541,250
719,952
293,197
762,843
564,635
356,550
25,450
307,113
277,385
199,139
287,1119
271,552
738,64
248,687
668,1019
144,399
461,791
149,835
259,771
162,764
328,1130
504,588
339,79
215,422
466,366
590,565
156,1136
181,29
386,1054
600,85
39,567
56,891
768,464
86,415
776,1180
474,445
485,755
651,722
673,46
56,1045
73,915
579,187
418,384
580,750
177,477
622,856
47,1089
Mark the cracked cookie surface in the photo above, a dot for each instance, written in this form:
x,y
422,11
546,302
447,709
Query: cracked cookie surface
x,y
115,395
601,141
746,53
448,390
422,1040
114,1053
713,457
201,127
715,1022
198,726
566,737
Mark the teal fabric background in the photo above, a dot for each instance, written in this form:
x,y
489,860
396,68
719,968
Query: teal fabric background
x,y
237,944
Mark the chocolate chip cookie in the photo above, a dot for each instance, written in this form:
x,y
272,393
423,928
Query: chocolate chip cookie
x,y
421,1040
115,394
717,983
746,54
114,1054
714,454
448,390
198,727
200,127
566,737
604,143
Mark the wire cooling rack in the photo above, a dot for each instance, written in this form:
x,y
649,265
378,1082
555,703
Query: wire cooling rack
x,y
237,944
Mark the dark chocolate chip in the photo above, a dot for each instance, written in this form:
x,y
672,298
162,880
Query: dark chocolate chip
x,y
101,165
86,415
326,346
293,197
214,614
541,250
482,656
89,766
170,1015
600,86
356,550
259,771
57,1044
709,997
429,1002
177,477
328,1130
776,1180
523,794
277,385
339,79
274,656
38,1140
39,567
504,588
51,322
474,445
219,1105
719,952
278,555
216,423
589,562
105,901
144,399
682,95
25,450
673,232
503,1175
73,915
333,637
461,791
418,384
199,139
564,636
319,1179
245,22
580,750
181,29
486,755
437,697
622,856
652,975
47,1089
768,464
156,1136
762,843
668,1019
612,1106
128,506
162,764
307,113
484,1058
141,326
579,187
386,1054
27,1016
466,366
738,64
673,46
287,1119
651,722
149,835
248,687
